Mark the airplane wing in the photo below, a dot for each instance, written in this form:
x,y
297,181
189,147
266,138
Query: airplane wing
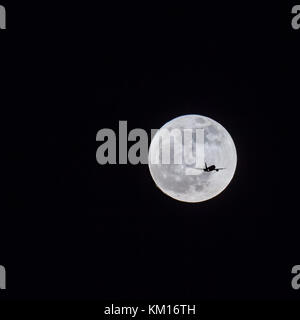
x,y
220,168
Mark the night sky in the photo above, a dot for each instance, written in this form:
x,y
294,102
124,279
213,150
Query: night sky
x,y
73,229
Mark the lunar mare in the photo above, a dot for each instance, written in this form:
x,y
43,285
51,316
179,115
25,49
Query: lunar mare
x,y
185,182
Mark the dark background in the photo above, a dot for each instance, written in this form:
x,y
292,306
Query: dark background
x,y
72,229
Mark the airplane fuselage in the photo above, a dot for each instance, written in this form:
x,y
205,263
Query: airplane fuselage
x,y
210,168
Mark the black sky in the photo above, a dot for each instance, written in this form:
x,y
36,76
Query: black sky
x,y
75,229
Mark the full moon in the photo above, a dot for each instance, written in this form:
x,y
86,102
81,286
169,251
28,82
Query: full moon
x,y
184,181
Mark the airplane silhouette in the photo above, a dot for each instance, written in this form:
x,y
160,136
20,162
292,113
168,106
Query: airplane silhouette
x,y
211,168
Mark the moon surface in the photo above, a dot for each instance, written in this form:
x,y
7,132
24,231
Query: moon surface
x,y
184,181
